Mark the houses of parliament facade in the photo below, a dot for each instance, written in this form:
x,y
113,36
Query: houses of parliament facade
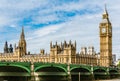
x,y
66,51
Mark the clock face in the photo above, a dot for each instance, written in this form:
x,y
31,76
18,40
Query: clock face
x,y
103,30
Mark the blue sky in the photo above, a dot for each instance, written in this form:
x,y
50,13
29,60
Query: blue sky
x,y
57,20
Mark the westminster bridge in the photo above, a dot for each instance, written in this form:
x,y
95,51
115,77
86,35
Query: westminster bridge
x,y
38,71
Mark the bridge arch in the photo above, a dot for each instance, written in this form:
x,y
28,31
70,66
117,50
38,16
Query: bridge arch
x,y
87,69
14,72
54,66
50,72
82,72
103,69
100,73
98,70
113,70
113,73
19,66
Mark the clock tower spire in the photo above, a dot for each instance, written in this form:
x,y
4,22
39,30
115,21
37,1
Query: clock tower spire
x,y
105,40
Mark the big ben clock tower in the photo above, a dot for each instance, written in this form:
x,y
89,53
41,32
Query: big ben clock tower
x,y
105,40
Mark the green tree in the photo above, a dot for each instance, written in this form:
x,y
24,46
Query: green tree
x,y
119,64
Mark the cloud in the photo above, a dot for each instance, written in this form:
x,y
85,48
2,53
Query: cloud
x,y
41,32
44,19
41,37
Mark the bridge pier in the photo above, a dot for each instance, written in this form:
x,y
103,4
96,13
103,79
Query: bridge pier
x,y
34,76
92,74
108,74
69,77
32,72
69,74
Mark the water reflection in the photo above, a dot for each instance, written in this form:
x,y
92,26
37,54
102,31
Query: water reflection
x,y
109,80
55,78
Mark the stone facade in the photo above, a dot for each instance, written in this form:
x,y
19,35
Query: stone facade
x,y
59,53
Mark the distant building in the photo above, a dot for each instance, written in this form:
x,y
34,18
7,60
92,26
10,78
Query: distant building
x,y
114,58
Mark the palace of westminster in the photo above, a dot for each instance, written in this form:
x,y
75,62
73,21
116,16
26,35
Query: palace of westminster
x,y
66,52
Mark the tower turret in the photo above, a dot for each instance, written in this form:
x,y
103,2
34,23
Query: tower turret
x,y
6,47
51,44
91,50
10,49
83,50
70,42
75,44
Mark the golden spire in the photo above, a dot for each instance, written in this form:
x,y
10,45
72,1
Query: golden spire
x,y
105,12
22,42
22,34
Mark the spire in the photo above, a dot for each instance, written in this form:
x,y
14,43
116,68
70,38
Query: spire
x,y
105,11
105,14
75,44
51,44
22,34
64,43
70,42
61,44
10,49
56,43
22,43
6,47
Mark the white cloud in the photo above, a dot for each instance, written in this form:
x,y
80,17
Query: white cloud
x,y
45,31
72,30
12,12
44,19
